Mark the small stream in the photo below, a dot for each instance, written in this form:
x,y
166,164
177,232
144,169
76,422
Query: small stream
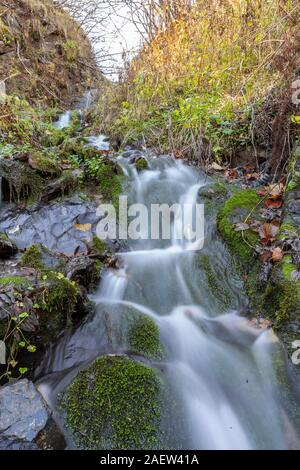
x,y
232,381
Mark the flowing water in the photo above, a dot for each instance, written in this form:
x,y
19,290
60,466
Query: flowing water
x,y
230,379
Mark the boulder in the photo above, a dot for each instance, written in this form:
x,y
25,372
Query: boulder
x,y
23,412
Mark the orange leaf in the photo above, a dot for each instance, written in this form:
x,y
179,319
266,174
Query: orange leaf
x,y
277,255
273,203
83,227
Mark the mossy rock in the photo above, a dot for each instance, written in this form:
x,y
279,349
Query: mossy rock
x,y
57,301
219,290
235,210
78,147
141,164
45,164
144,337
69,181
109,177
114,404
215,191
32,258
98,246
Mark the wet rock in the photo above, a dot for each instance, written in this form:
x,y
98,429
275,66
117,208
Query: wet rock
x,y
23,412
68,181
7,247
55,225
82,270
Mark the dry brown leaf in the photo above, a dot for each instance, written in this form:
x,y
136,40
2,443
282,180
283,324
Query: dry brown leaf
x,y
273,203
83,227
267,233
275,190
277,254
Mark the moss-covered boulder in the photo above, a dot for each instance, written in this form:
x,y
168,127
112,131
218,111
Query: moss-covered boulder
x,y
43,163
141,164
235,210
57,303
7,247
114,404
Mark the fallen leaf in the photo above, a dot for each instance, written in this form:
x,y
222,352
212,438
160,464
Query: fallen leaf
x,y
275,190
273,203
232,174
265,256
262,192
267,233
83,227
277,255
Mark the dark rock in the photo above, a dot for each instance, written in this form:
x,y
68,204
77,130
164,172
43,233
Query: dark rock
x,y
54,225
61,186
81,269
7,247
23,412
51,438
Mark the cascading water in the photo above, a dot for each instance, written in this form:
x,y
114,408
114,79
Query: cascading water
x,y
63,120
224,372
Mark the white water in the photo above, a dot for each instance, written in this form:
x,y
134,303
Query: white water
x,y
219,367
63,121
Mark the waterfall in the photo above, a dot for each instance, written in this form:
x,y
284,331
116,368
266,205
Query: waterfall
x,y
220,368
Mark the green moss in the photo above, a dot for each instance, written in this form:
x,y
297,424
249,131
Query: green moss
x,y
281,303
13,280
141,164
235,210
99,245
58,302
144,337
32,258
6,35
44,163
109,177
286,228
114,404
71,51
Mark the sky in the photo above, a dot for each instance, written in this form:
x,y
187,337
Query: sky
x,y
120,35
